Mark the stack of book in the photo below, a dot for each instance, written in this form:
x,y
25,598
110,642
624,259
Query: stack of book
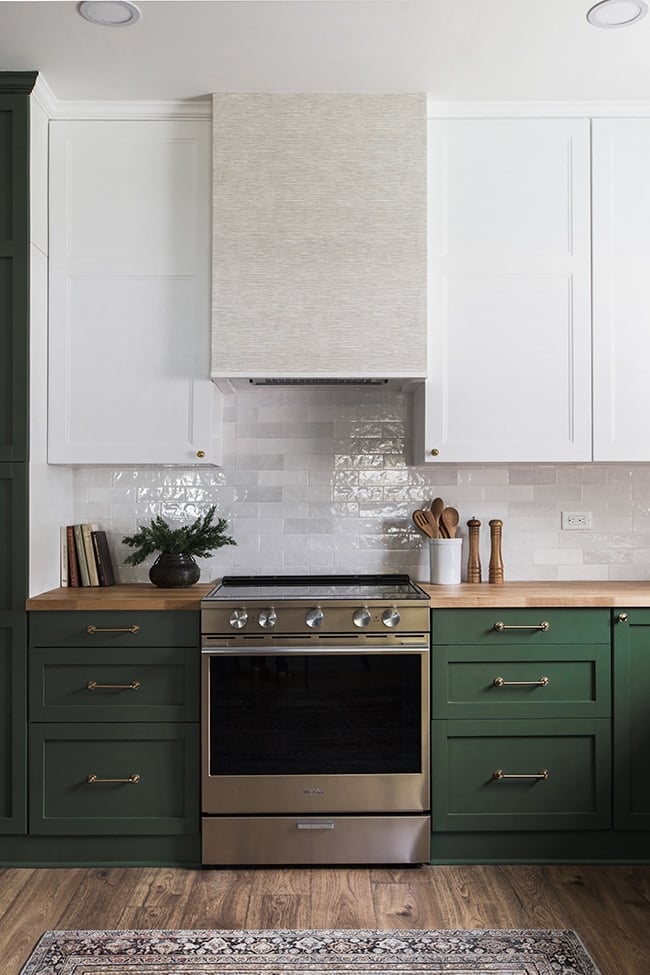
x,y
85,557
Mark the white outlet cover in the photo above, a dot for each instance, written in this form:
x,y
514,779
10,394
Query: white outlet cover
x,y
576,520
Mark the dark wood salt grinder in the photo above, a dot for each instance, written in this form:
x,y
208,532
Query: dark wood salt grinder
x,y
474,559
495,573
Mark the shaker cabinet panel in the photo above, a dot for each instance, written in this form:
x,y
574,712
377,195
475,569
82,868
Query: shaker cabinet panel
x,y
520,682
114,779
621,252
521,775
129,369
130,629
509,292
112,684
14,274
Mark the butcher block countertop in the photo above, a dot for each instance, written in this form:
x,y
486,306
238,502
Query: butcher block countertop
x,y
521,594
136,596
145,596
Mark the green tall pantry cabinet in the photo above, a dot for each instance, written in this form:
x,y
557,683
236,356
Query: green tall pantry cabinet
x,y
631,644
15,90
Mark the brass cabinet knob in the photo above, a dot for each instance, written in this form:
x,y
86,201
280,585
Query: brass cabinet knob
x,y
434,451
200,454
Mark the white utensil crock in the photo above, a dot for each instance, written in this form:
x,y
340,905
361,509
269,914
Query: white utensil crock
x,y
445,559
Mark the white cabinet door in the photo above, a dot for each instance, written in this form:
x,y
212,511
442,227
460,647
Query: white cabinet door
x,y
509,292
621,293
130,294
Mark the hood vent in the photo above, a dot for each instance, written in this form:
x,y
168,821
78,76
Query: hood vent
x,y
317,382
319,238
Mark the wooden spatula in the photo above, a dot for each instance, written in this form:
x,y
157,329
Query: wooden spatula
x,y
421,521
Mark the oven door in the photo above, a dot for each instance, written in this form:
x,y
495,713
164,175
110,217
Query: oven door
x,y
342,730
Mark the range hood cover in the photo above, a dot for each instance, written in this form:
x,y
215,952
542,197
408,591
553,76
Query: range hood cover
x,y
319,238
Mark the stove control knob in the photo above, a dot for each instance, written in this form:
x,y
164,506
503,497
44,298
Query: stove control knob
x,y
361,617
314,618
267,618
390,617
238,619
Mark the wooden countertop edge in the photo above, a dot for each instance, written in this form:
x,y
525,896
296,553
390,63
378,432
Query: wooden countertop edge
x,y
136,596
145,596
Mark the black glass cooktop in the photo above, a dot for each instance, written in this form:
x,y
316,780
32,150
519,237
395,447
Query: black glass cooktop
x,y
362,587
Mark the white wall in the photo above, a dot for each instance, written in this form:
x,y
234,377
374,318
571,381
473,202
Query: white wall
x,y
318,480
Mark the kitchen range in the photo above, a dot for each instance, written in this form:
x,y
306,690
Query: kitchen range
x,y
315,720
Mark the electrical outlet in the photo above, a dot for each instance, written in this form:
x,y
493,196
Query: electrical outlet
x,y
576,520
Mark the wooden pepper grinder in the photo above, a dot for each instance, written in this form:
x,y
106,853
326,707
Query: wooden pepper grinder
x,y
495,573
474,559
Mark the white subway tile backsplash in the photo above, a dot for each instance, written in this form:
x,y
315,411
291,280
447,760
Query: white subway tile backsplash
x,y
319,480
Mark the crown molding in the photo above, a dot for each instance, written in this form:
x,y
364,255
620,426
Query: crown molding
x,y
44,96
536,109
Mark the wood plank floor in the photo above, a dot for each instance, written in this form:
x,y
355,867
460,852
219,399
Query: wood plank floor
x,y
609,906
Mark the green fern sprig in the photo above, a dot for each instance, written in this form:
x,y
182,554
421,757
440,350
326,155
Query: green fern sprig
x,y
199,539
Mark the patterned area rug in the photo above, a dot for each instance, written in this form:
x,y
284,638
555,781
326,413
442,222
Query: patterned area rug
x,y
309,953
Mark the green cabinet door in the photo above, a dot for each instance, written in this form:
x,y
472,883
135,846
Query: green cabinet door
x,y
631,643
520,775
114,779
14,263
13,656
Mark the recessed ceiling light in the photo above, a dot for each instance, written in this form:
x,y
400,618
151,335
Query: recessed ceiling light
x,y
109,13
617,13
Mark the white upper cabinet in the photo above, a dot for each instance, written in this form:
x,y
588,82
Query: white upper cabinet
x,y
130,294
621,295
509,375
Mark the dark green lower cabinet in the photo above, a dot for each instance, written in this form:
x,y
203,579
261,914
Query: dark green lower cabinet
x,y
113,779
513,775
13,638
632,719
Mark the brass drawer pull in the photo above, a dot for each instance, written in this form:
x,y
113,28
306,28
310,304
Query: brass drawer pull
x,y
500,682
91,628
500,627
132,780
92,685
499,774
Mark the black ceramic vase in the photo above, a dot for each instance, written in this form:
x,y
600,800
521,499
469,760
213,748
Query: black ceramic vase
x,y
171,571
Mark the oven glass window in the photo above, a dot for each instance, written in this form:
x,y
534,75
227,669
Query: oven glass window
x,y
315,714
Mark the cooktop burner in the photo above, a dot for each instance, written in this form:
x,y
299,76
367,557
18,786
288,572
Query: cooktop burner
x,y
356,587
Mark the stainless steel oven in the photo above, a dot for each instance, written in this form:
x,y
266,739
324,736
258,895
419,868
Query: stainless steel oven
x,y
315,721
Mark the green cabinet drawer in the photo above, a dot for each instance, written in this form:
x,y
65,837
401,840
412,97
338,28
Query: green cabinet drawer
x,y
470,793
161,758
522,681
505,627
175,628
114,684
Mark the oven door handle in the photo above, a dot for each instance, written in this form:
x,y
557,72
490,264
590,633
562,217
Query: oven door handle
x,y
321,825
312,650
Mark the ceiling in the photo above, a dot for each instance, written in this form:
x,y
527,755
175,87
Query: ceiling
x,y
453,49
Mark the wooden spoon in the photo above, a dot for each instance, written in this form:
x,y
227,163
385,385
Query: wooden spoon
x,y
449,519
421,521
437,507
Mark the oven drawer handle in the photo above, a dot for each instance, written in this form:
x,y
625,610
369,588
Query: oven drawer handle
x,y
500,682
132,780
543,626
92,685
325,825
499,775
134,628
